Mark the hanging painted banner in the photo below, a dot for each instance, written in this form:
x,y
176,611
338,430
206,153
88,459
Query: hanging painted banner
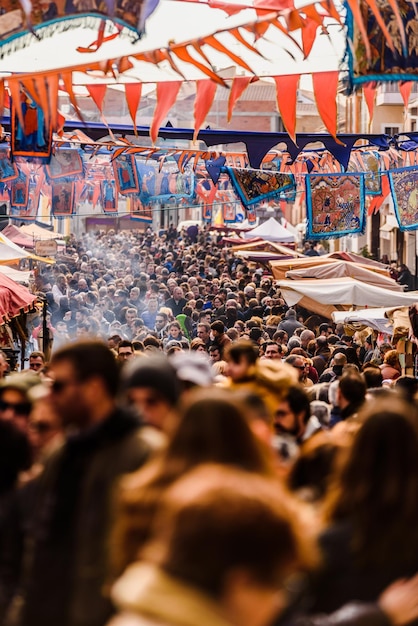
x,y
30,211
162,183
253,186
31,136
335,205
19,191
109,197
206,212
404,189
367,162
19,20
251,216
62,203
65,162
126,176
387,50
138,210
8,170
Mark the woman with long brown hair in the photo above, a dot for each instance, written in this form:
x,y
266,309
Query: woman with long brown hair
x,y
372,513
212,429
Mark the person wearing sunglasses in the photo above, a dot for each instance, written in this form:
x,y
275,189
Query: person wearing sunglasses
x,y
15,403
67,538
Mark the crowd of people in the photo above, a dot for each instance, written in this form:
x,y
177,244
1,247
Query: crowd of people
x,y
187,450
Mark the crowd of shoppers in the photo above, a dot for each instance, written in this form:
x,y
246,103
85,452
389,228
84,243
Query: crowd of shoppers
x,y
196,453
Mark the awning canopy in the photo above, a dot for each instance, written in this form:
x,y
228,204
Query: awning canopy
x,y
372,318
339,269
328,295
18,276
37,232
10,252
18,237
271,230
14,299
280,268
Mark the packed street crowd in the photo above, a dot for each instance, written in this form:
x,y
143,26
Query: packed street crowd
x,y
184,449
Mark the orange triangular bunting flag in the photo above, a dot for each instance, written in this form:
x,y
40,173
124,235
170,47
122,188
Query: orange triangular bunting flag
x,y
377,201
97,92
239,85
405,89
205,93
133,93
369,92
166,97
325,85
286,94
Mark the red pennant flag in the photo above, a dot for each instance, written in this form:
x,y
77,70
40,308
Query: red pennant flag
x,y
166,97
286,95
309,35
405,89
377,201
97,92
133,93
52,88
239,85
205,93
325,85
369,92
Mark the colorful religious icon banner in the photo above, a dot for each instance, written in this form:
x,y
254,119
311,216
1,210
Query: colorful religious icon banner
x,y
166,182
8,170
30,211
367,162
404,189
335,205
62,203
254,186
19,191
126,176
109,197
31,135
65,162
207,212
138,210
381,56
251,216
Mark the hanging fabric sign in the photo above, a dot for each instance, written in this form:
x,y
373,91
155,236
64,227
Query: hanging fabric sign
x,y
367,162
109,197
126,176
19,20
30,211
64,163
387,50
62,199
8,170
139,211
31,135
19,191
164,183
404,188
335,205
253,186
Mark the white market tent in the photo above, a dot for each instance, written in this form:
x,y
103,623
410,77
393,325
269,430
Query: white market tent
x,y
271,231
372,318
328,295
12,253
339,269
37,232
19,276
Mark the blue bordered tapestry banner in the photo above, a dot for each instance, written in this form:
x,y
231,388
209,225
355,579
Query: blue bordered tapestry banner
x,y
335,205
